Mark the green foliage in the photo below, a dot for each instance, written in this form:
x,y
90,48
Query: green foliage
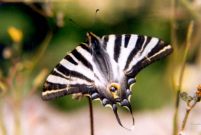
x,y
151,87
151,90
68,104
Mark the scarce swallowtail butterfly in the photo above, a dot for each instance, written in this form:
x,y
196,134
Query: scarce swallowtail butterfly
x,y
105,68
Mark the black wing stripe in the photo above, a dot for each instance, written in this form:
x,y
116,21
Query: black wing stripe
x,y
72,73
63,70
59,74
148,60
82,59
77,88
85,48
148,39
70,59
127,39
72,89
160,45
136,49
161,53
117,47
53,86
137,67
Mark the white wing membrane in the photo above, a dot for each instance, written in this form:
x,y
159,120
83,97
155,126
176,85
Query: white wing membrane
x,y
57,79
125,51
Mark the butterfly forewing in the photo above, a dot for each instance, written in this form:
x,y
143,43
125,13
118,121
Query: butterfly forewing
x,y
74,74
133,52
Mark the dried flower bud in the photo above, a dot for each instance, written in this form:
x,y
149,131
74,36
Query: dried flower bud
x,y
198,92
7,53
185,97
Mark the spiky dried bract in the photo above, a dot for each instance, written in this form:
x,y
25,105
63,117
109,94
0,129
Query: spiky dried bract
x,y
198,92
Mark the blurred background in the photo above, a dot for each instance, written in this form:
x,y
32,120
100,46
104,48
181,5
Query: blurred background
x,y
35,36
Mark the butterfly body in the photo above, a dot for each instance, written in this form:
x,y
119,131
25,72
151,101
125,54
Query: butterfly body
x,y
104,68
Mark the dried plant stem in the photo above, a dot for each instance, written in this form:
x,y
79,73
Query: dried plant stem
x,y
175,119
189,6
174,42
188,42
91,116
183,65
17,130
2,127
188,110
2,124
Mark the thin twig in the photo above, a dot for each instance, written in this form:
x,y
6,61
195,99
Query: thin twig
x,y
188,43
175,119
174,42
183,65
190,106
17,115
188,5
91,116
188,110
3,130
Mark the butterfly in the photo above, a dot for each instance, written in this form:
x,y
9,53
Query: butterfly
x,y
105,68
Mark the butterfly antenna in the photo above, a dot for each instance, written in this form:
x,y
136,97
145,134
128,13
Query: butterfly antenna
x,y
114,107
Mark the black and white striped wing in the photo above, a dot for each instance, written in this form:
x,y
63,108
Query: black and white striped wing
x,y
105,68
74,74
130,53
91,67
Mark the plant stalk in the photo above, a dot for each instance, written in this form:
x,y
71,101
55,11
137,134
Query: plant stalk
x,y
188,110
183,65
91,116
2,124
174,43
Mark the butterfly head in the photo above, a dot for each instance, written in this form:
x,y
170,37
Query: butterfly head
x,y
119,94
114,90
